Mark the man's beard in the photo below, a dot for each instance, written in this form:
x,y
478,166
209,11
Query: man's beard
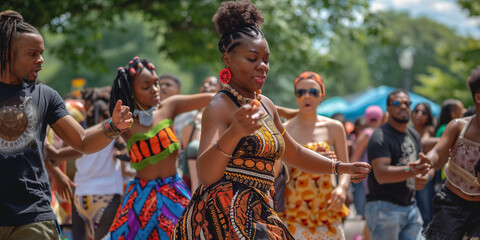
x,y
399,120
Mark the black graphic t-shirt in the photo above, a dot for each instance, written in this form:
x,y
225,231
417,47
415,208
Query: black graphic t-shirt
x,y
401,148
25,111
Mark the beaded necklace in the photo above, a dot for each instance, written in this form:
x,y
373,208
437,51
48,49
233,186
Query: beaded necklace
x,y
240,98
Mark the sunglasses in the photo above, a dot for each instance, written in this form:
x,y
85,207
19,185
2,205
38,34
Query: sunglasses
x,y
312,91
416,111
399,103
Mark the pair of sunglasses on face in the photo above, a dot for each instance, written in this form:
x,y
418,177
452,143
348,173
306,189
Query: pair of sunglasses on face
x,y
302,92
399,103
416,111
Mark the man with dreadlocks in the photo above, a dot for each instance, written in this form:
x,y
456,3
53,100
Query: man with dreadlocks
x,y
26,108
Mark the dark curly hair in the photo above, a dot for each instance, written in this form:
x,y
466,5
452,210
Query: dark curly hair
x,y
235,20
473,81
122,88
96,104
11,24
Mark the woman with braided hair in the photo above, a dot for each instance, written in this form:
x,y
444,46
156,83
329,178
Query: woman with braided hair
x,y
26,108
156,198
242,140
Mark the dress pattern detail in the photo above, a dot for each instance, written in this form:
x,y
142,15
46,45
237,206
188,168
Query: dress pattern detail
x,y
153,146
307,198
240,205
150,209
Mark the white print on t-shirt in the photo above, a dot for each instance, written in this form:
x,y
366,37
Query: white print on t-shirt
x,y
408,152
408,155
17,127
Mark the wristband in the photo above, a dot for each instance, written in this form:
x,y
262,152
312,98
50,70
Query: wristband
x,y
116,129
337,163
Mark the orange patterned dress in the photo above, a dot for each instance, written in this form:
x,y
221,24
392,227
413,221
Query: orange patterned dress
x,y
240,205
307,195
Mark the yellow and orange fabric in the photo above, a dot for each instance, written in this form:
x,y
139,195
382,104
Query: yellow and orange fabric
x,y
307,198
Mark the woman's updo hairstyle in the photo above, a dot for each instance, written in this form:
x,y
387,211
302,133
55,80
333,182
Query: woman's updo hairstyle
x,y
235,20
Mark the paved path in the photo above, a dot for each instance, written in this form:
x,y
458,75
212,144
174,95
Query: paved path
x,y
353,225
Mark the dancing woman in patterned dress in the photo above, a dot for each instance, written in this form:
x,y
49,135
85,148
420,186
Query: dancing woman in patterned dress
x,y
241,141
156,198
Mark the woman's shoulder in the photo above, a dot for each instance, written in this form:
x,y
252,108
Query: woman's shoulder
x,y
329,122
219,107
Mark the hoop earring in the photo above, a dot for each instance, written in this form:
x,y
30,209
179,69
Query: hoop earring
x,y
225,76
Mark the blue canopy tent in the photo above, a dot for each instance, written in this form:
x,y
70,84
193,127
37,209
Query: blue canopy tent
x,y
354,106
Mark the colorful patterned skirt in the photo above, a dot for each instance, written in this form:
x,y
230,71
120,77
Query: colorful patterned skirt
x,y
231,210
150,209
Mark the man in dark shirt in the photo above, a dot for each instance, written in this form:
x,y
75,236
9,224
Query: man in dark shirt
x,y
26,108
393,148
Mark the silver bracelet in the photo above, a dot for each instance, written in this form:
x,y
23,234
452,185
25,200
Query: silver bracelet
x,y
222,152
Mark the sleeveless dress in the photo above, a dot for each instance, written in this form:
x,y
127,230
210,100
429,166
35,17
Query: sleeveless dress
x,y
240,205
307,194
151,208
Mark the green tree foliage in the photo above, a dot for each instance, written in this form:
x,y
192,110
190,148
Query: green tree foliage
x,y
440,84
457,60
185,34
364,60
420,34
473,7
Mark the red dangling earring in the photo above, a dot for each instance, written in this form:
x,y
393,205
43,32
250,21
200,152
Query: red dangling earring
x,y
225,76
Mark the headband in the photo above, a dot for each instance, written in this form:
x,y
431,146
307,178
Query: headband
x,y
310,75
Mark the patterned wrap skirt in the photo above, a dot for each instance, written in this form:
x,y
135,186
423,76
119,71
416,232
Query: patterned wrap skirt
x,y
230,210
150,209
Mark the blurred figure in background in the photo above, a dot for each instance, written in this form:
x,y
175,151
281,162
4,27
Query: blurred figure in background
x,y
373,117
451,109
423,122
169,85
191,137
98,176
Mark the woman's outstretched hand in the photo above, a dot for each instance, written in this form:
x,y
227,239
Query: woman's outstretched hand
x,y
421,166
358,171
